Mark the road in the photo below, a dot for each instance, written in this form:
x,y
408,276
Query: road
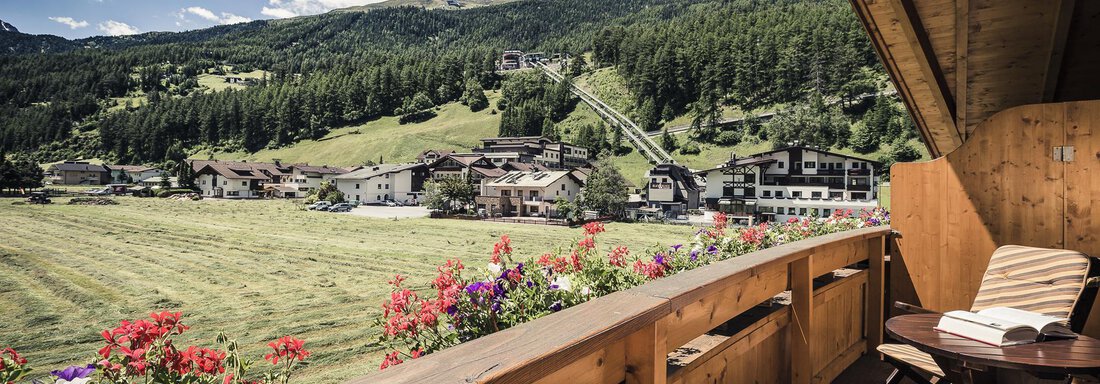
x,y
637,137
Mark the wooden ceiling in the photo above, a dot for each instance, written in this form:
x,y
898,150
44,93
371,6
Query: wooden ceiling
x,y
957,62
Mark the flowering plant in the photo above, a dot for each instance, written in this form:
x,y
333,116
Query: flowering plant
x,y
511,290
143,351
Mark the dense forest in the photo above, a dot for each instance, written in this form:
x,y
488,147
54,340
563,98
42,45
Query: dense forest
x,y
331,70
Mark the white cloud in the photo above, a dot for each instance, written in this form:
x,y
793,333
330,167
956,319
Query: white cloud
x,y
73,24
203,13
117,28
225,18
290,8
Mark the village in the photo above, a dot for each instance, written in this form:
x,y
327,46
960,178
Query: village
x,y
526,179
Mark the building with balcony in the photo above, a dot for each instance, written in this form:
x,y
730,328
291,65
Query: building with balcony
x,y
474,167
384,182
78,173
792,182
671,190
521,193
533,149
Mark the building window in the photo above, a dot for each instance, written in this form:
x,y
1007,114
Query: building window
x,y
357,187
859,195
839,165
767,193
379,186
796,194
811,165
802,211
780,165
825,212
836,195
791,211
563,187
778,193
204,182
244,183
225,182
387,186
815,195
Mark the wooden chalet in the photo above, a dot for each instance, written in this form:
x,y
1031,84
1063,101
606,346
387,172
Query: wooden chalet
x,y
1006,99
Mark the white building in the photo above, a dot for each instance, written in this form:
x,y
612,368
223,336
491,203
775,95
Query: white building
x,y
374,184
792,182
520,193
127,174
230,180
307,177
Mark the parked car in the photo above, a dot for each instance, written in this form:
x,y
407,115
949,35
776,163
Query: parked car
x,y
319,206
391,203
39,198
342,207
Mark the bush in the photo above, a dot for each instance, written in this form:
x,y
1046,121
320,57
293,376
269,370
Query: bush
x,y
690,148
173,191
728,138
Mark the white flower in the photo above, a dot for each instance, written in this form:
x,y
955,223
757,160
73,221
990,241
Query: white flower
x,y
586,291
563,283
495,268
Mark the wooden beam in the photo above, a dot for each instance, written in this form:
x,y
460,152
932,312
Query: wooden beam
x,y
802,314
909,21
887,59
1062,21
962,76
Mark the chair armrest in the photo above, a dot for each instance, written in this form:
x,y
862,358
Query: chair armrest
x,y
912,308
1093,282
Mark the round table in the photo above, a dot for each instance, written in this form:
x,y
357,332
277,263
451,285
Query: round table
x,y
968,361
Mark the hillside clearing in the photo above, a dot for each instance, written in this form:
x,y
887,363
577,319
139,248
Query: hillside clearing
x,y
455,127
255,270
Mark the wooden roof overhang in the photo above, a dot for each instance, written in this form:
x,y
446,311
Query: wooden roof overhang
x,y
957,62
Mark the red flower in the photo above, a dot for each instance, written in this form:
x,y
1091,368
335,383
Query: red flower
x,y
169,322
575,261
18,360
586,245
593,228
618,256
416,353
502,247
720,220
287,347
391,360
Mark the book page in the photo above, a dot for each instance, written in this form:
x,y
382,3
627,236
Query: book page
x,y
994,322
1031,319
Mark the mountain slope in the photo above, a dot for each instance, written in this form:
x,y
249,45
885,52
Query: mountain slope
x,y
429,4
6,27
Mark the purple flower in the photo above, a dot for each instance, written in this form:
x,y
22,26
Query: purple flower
x,y
496,307
556,306
712,250
74,372
475,287
676,248
659,258
694,254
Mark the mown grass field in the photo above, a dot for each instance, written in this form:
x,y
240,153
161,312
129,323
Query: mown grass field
x,y
455,127
255,270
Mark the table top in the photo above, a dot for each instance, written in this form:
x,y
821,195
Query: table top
x,y
1081,355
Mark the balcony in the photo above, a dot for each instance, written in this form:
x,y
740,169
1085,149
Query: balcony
x,y
732,319
860,188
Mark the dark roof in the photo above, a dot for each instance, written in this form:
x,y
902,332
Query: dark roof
x,y
876,163
742,162
269,168
129,168
677,173
232,171
440,152
78,167
322,169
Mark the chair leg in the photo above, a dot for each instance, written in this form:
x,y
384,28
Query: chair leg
x,y
895,377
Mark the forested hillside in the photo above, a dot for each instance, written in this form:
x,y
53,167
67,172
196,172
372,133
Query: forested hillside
x,y
137,98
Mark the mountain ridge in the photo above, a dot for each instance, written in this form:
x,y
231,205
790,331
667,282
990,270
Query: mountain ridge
x,y
427,4
7,27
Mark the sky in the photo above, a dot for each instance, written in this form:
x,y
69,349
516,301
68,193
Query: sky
x,y
83,18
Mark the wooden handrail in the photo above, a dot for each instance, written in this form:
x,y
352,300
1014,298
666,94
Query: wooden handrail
x,y
626,336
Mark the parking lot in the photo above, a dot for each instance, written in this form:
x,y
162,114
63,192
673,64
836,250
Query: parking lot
x,y
384,212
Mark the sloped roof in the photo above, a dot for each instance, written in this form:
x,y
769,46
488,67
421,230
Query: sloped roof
x,y
526,167
488,171
269,168
324,170
78,167
130,168
378,170
233,171
440,152
528,179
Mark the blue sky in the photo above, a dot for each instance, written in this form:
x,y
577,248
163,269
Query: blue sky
x,y
82,18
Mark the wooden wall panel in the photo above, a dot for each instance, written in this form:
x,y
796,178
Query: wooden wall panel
x,y
1001,187
838,326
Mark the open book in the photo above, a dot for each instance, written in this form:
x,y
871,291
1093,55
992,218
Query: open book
x,y
1001,326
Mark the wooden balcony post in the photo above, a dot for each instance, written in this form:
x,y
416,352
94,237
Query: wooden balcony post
x,y
876,291
647,355
802,307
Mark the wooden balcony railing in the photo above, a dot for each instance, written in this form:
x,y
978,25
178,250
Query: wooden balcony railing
x,y
706,324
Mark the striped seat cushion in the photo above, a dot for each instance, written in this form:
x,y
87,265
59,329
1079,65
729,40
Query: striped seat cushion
x,y
907,354
1041,280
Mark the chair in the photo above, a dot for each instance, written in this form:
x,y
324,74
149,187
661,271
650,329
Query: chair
x,y
1048,281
